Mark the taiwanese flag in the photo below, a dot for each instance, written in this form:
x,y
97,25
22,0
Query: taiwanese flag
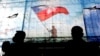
x,y
44,12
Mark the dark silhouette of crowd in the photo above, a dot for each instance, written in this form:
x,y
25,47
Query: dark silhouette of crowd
x,y
75,47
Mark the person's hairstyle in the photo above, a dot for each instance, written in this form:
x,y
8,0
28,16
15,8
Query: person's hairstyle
x,y
77,29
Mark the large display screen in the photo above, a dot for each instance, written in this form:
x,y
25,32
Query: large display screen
x,y
43,14
36,17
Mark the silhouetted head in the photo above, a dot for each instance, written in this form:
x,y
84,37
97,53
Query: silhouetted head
x,y
19,37
5,46
53,27
77,33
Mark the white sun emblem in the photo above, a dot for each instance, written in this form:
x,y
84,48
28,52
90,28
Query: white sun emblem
x,y
51,10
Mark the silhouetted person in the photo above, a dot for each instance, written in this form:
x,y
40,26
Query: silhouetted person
x,y
17,47
18,43
54,32
77,34
6,48
77,46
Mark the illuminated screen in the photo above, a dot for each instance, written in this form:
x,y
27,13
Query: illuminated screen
x,y
36,16
43,14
